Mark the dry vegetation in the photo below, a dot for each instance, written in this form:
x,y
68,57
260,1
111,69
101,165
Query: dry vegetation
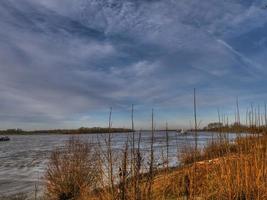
x,y
223,170
72,171
238,172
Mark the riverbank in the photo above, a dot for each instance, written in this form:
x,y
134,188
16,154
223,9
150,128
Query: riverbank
x,y
82,130
222,170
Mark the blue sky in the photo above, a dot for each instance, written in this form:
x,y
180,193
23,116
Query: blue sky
x,y
64,63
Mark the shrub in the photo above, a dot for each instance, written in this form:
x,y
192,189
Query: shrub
x,y
72,171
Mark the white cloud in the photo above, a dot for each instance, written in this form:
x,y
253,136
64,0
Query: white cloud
x,y
63,58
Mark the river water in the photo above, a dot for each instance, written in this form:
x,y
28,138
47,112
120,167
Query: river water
x,y
24,158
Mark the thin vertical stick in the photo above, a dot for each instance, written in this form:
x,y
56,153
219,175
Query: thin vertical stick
x,y
250,120
237,110
252,116
262,121
256,121
265,115
109,119
151,164
220,126
228,131
110,159
133,132
123,172
259,120
167,145
133,162
238,117
247,117
138,168
195,119
235,118
195,116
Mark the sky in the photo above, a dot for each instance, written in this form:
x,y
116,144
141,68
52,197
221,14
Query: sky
x,y
64,63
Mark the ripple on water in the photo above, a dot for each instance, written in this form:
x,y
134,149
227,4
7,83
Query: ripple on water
x,y
23,159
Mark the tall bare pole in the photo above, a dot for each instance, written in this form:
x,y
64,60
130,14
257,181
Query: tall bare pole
x,y
259,120
110,159
259,116
252,115
133,156
195,117
220,126
138,168
195,153
237,111
109,119
133,118
167,145
247,117
265,114
151,164
133,134
256,118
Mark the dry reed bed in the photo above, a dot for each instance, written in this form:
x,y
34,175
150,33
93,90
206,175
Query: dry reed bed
x,y
240,173
223,170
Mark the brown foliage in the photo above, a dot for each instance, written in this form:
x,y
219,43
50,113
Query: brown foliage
x,y
223,170
72,172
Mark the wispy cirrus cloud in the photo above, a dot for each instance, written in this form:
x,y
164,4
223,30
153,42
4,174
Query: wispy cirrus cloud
x,y
67,61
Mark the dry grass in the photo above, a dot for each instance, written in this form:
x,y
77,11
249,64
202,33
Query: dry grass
x,y
238,174
72,172
213,149
223,171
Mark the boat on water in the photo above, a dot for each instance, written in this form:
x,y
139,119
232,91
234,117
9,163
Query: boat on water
x,y
182,132
4,139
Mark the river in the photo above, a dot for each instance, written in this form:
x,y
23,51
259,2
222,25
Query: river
x,y
24,158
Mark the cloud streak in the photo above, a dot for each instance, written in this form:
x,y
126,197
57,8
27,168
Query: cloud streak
x,y
64,62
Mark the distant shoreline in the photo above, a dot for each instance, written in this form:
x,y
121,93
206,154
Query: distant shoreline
x,y
99,131
235,128
65,131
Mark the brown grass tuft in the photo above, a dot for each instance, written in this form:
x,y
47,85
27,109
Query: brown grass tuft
x,y
72,172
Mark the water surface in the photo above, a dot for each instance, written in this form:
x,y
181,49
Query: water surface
x,y
23,159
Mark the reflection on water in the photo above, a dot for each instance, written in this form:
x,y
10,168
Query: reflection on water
x,y
23,159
